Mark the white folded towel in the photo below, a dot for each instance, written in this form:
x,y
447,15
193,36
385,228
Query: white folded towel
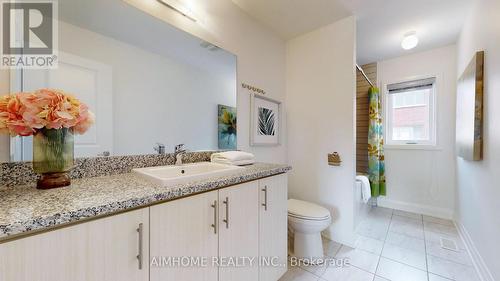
x,y
241,162
366,191
238,158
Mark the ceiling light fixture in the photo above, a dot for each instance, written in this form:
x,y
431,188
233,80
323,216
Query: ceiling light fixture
x,y
410,40
179,8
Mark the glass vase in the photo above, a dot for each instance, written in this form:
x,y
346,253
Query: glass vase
x,y
53,157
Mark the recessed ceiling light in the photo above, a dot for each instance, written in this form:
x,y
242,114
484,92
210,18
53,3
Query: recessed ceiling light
x,y
410,41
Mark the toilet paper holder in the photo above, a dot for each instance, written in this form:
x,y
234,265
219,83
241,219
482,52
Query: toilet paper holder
x,y
334,159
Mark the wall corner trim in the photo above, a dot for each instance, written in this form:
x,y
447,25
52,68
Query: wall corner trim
x,y
477,259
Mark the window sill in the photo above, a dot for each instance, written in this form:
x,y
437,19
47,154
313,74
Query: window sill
x,y
412,147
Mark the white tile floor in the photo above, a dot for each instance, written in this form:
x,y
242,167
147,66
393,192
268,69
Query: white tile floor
x,y
396,246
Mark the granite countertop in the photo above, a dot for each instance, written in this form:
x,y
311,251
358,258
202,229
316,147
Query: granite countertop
x,y
25,209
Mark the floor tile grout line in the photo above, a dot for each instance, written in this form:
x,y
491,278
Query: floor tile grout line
x,y
326,256
452,261
405,264
391,219
404,234
320,277
366,237
425,249
414,219
411,218
383,245
362,269
444,277
440,223
375,274
427,260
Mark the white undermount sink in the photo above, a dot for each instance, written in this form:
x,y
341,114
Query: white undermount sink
x,y
179,174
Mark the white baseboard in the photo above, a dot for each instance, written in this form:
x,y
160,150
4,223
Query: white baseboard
x,y
416,208
477,260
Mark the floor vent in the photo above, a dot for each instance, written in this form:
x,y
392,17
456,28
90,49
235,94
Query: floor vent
x,y
449,244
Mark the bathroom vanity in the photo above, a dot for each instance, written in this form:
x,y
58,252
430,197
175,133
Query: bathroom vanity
x,y
132,229
150,91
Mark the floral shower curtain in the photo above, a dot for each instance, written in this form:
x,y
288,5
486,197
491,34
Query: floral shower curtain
x,y
376,167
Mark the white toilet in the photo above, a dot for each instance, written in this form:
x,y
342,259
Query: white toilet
x,y
307,220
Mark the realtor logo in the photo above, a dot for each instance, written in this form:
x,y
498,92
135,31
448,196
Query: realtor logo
x,y
29,34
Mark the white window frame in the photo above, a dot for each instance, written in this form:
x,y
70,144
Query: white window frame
x,y
413,144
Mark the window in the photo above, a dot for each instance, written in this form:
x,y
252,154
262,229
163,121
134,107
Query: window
x,y
410,113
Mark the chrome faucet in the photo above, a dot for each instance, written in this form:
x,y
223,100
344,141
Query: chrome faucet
x,y
178,152
160,148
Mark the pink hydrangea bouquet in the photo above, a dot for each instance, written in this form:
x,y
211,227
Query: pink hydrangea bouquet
x,y
23,114
51,117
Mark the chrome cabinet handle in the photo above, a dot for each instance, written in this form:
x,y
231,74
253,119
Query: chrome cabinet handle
x,y
226,220
265,198
214,225
139,256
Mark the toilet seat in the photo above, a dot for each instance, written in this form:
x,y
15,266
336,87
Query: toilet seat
x,y
308,218
307,211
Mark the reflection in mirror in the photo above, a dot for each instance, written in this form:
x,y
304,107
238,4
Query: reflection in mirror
x,y
161,86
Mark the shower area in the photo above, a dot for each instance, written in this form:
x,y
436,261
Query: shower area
x,y
363,85
366,78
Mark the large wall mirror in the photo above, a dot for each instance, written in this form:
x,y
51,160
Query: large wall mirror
x,y
146,81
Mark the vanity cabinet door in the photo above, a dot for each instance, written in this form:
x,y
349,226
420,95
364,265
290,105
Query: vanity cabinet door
x,y
184,228
239,232
103,249
273,232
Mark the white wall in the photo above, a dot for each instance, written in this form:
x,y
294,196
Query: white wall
x,y
320,97
478,188
155,98
261,57
423,181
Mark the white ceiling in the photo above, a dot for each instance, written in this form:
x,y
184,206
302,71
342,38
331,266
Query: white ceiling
x,y
290,18
381,24
128,24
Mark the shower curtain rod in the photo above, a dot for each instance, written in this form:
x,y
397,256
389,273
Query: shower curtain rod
x,y
364,74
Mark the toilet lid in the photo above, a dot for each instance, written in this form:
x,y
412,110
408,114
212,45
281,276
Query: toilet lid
x,y
303,209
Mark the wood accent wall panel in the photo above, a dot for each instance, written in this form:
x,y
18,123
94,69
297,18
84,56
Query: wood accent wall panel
x,y
362,87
